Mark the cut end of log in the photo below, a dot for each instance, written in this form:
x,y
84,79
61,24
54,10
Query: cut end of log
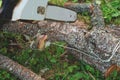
x,y
111,69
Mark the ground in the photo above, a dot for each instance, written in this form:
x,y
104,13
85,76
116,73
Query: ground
x,y
53,63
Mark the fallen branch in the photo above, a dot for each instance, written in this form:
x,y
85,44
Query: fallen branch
x,y
18,70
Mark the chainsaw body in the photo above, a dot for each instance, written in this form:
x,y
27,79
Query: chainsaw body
x,y
35,10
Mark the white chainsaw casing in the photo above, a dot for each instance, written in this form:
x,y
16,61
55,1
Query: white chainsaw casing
x,y
27,10
40,10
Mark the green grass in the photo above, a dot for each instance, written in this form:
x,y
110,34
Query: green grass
x,y
4,75
111,11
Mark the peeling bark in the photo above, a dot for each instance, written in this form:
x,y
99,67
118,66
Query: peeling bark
x,y
18,70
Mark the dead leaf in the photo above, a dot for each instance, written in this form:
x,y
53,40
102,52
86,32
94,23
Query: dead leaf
x,y
68,4
27,37
41,42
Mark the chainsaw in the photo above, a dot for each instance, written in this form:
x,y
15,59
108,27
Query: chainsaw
x,y
35,10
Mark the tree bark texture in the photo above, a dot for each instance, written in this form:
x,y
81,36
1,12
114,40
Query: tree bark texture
x,y
94,46
98,43
17,69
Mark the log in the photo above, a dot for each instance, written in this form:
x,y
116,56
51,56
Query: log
x,y
18,70
99,43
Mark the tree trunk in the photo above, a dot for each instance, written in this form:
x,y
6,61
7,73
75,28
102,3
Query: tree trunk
x,y
17,69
